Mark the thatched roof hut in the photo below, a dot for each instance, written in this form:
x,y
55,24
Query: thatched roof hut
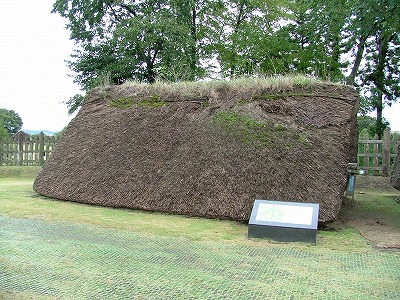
x,y
207,149
395,177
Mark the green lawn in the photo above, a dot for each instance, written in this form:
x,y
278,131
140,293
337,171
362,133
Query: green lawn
x,y
51,249
17,199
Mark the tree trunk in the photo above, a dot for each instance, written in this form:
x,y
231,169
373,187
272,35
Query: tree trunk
x,y
360,50
379,109
193,48
335,57
238,22
378,78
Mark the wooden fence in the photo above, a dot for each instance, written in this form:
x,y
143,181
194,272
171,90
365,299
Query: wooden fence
x,y
376,157
26,150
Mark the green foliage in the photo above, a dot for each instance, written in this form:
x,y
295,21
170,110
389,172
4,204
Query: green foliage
x,y
11,122
375,28
3,132
380,126
243,34
366,125
134,40
370,126
74,103
356,42
307,43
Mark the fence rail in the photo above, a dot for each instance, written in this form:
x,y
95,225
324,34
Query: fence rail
x,y
26,150
376,157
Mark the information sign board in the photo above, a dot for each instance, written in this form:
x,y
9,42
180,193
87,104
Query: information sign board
x,y
284,221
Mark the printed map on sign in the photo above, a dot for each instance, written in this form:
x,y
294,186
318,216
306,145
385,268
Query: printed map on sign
x,y
284,214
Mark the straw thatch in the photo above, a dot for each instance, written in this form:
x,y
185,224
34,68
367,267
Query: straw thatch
x,y
208,151
395,178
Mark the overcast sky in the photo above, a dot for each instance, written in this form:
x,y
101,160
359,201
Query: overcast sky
x,y
33,74
34,79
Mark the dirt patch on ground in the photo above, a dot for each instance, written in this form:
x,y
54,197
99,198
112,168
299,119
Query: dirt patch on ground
x,y
381,234
374,212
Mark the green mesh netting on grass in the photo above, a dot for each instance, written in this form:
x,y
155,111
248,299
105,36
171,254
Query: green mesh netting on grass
x,y
40,260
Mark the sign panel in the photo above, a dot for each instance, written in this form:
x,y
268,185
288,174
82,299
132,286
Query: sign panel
x,y
280,213
351,184
284,221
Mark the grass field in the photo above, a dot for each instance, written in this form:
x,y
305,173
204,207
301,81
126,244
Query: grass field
x,y
51,249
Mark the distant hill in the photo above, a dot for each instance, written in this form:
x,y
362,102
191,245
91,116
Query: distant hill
x,y
46,132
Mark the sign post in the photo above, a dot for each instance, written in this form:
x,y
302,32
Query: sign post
x,y
284,221
351,179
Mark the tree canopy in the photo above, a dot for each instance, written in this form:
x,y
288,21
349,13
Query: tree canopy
x,y
353,41
10,122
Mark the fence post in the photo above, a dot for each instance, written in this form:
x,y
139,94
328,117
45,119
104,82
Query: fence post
x,y
41,148
375,157
366,157
20,148
386,152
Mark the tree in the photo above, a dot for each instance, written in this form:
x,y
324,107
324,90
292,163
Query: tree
x,y
3,132
367,125
375,28
119,40
353,41
331,38
244,26
380,77
10,121
365,19
74,103
141,40
308,40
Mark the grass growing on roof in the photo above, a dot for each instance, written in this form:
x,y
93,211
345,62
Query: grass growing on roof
x,y
261,133
246,128
123,102
253,88
153,101
199,89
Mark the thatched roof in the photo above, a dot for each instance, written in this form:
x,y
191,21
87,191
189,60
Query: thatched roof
x,y
207,149
395,178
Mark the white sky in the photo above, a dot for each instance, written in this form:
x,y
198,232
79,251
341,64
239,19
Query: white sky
x,y
33,74
34,79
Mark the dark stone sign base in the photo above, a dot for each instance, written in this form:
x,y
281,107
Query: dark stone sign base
x,y
283,234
